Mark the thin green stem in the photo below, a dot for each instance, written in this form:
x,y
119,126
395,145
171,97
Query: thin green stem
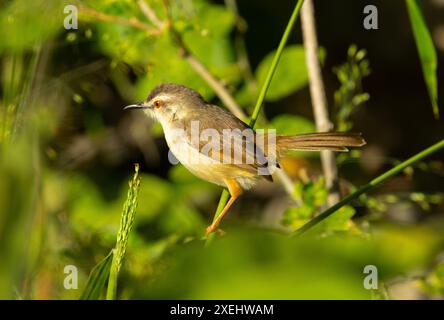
x,y
225,194
373,183
277,57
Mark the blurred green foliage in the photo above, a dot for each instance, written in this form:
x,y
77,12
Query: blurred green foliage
x,y
254,265
21,28
434,281
349,96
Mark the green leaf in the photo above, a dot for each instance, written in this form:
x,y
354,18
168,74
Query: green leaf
x,y
205,28
216,19
427,52
125,43
313,195
296,217
97,279
291,73
341,221
434,282
290,124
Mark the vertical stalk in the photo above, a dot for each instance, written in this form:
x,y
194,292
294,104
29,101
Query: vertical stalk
x,y
260,100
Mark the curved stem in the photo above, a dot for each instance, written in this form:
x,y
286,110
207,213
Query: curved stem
x,y
373,183
274,63
318,98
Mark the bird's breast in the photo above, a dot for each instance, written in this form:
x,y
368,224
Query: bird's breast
x,y
203,166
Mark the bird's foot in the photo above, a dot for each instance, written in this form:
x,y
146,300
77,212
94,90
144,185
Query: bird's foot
x,y
210,229
214,228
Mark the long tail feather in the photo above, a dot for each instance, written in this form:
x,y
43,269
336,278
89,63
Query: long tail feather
x,y
334,141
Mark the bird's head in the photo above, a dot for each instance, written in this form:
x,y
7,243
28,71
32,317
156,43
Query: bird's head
x,y
169,102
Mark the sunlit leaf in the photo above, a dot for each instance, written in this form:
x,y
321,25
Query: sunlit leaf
x,y
291,73
340,221
427,52
97,279
289,124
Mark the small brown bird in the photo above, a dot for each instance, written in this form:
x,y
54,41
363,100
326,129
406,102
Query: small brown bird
x,y
217,147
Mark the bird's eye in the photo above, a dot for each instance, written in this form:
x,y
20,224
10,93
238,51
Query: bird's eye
x,y
157,103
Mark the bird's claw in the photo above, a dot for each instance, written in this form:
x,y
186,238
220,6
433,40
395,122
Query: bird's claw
x,y
210,229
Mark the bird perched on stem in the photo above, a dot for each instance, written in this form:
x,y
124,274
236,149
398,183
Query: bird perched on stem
x,y
217,147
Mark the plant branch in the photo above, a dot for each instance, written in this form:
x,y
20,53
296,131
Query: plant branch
x,y
194,62
372,184
318,97
218,87
150,14
274,63
132,22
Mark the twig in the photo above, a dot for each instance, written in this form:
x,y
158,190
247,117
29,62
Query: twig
x,y
218,87
133,22
372,184
319,100
126,224
198,66
240,46
150,14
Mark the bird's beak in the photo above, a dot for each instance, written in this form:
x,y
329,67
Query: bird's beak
x,y
135,106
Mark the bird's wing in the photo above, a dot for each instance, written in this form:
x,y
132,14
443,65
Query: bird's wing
x,y
225,138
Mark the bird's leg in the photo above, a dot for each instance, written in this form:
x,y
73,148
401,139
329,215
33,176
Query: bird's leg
x,y
235,191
